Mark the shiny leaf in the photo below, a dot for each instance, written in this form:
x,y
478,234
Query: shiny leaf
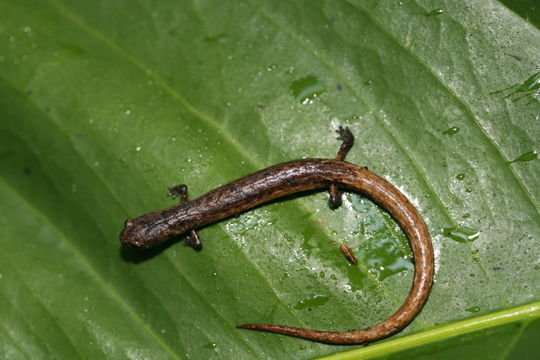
x,y
106,104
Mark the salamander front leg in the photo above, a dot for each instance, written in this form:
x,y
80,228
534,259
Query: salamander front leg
x,y
192,238
347,141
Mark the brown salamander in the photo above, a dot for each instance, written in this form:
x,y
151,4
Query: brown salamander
x,y
288,178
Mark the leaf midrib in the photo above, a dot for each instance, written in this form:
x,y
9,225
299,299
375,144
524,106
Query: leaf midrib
x,y
529,312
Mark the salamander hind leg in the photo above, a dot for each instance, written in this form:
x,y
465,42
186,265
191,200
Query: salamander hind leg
x,y
192,239
347,141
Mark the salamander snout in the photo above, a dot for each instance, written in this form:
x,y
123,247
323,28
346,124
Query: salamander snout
x,y
145,231
131,235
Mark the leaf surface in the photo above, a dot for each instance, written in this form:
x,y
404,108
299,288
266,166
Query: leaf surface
x,y
106,104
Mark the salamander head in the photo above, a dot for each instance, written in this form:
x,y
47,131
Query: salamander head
x,y
144,232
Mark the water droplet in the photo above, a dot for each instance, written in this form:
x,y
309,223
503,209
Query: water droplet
x,y
272,67
210,346
451,131
388,252
460,176
434,12
128,112
528,156
462,234
473,309
469,189
12,39
312,301
290,70
138,148
306,89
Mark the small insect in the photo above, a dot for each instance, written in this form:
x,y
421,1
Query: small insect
x,y
348,254
288,178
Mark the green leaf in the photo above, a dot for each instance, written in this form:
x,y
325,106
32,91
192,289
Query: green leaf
x,y
106,104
